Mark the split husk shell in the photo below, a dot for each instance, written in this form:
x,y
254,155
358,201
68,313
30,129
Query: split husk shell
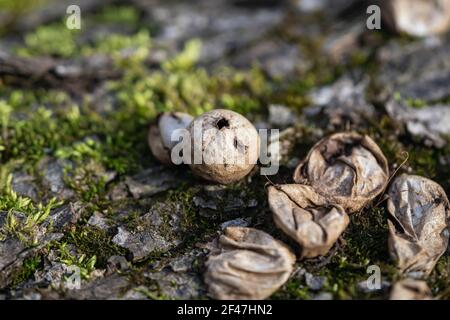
x,y
251,265
347,168
419,224
160,133
307,217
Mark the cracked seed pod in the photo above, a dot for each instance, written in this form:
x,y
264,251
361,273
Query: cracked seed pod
x,y
410,289
346,168
159,135
225,146
251,265
306,217
417,17
419,225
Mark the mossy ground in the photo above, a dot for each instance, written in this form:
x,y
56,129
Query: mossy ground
x,y
111,136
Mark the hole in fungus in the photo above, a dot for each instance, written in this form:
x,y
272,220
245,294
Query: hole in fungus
x,y
223,123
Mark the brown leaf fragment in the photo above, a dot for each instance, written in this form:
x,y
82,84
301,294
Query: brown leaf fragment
x,y
410,289
347,168
307,217
250,265
419,224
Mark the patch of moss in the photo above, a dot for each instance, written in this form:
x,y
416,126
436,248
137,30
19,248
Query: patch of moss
x,y
23,217
416,103
153,292
195,227
186,59
293,289
86,265
29,267
92,241
193,91
363,244
54,40
366,237
15,9
32,135
88,181
57,40
113,45
118,14
439,279
61,132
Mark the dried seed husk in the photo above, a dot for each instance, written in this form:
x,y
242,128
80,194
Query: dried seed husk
x,y
160,133
159,151
419,224
417,17
307,217
251,265
228,144
347,168
410,289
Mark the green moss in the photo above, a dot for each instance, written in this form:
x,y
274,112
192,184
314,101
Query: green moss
x,y
20,6
439,280
416,103
194,226
53,40
122,15
92,241
61,132
413,103
24,228
364,244
186,59
154,294
88,181
293,289
86,265
29,267
59,41
23,99
13,11
366,237
115,43
193,91
36,134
